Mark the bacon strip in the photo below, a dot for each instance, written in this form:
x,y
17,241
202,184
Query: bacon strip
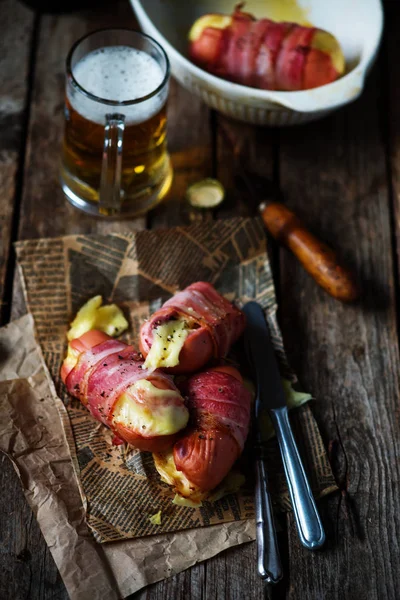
x,y
264,54
220,411
204,309
292,58
103,373
112,377
77,379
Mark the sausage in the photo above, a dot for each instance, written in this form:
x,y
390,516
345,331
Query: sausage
x,y
208,322
143,408
219,405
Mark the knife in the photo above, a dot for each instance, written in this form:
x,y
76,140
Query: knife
x,y
269,565
271,398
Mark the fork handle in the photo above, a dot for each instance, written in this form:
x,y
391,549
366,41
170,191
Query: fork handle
x,y
269,565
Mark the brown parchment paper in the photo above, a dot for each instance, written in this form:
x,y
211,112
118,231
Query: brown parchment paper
x,y
139,271
33,436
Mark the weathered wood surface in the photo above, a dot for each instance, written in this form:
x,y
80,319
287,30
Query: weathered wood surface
x,y
347,356
392,118
342,175
27,569
17,28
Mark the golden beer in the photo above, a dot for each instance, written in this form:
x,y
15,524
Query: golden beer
x,y
115,158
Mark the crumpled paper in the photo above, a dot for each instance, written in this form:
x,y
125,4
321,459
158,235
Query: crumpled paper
x,y
139,271
32,434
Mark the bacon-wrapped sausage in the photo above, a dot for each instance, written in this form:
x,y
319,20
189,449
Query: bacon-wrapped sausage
x,y
141,406
192,327
263,54
219,405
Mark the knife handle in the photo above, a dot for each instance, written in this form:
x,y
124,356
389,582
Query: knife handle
x,y
269,565
316,257
308,521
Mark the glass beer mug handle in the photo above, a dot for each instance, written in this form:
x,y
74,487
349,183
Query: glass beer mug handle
x,y
110,197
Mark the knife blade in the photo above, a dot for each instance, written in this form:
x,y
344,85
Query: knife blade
x,y
270,398
269,565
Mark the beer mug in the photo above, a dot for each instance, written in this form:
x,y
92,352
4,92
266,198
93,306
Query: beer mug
x,y
114,158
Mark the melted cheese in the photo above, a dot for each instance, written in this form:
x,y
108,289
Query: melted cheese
x,y
211,20
168,340
285,10
181,501
71,359
155,418
326,42
187,493
93,315
156,519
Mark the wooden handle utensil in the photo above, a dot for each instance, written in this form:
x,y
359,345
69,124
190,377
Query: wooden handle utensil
x,y
317,258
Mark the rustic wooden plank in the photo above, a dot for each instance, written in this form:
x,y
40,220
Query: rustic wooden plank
x,y
392,122
233,575
188,584
244,148
23,552
15,51
334,173
190,147
256,148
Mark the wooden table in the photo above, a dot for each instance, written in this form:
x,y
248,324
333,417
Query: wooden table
x,y
342,175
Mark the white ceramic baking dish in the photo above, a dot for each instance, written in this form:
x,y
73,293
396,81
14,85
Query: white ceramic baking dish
x,y
357,24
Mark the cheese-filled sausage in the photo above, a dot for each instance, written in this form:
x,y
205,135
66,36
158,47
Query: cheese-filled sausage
x,y
143,407
219,406
194,326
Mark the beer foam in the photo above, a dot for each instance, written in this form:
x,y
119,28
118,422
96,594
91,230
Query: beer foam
x,y
118,73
